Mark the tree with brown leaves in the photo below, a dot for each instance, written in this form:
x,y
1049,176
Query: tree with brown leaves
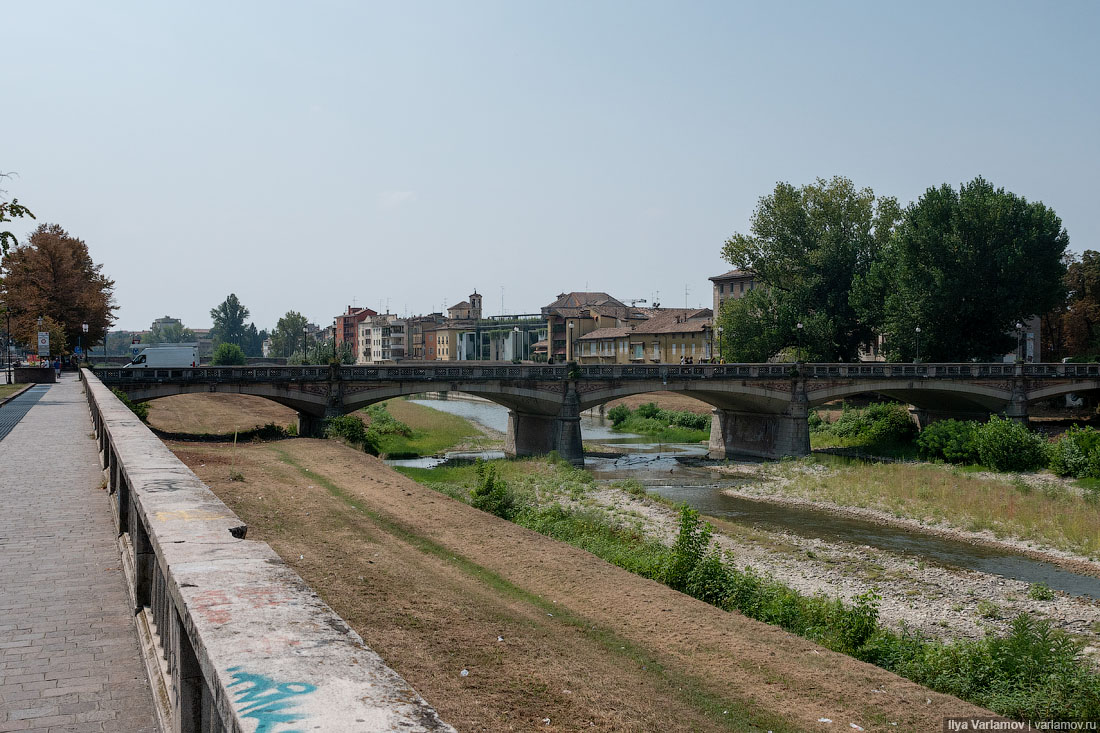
x,y
52,277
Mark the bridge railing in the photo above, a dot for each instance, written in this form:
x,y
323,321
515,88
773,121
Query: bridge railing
x,y
233,638
474,371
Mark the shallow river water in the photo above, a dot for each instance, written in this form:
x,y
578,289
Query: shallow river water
x,y
656,466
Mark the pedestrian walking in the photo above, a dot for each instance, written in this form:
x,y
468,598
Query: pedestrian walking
x,y
57,366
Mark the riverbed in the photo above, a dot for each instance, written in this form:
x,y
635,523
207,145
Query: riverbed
x,y
933,583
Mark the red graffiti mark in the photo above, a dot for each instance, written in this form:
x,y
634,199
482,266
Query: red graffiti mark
x,y
261,597
276,643
206,605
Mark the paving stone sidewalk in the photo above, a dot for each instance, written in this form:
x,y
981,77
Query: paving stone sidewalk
x,y
69,658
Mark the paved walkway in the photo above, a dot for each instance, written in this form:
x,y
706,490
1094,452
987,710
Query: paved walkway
x,y
69,658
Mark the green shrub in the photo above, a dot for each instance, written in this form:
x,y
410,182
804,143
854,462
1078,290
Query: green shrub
x,y
1006,445
878,423
689,549
1076,453
492,493
138,408
351,429
889,422
954,441
1040,592
815,421
690,420
228,355
383,423
648,410
618,414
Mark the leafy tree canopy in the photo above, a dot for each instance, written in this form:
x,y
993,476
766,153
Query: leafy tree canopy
x,y
169,333
1076,325
289,334
228,355
806,247
229,327
53,277
229,317
964,266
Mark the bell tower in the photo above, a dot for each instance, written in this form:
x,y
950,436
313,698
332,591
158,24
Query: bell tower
x,y
475,306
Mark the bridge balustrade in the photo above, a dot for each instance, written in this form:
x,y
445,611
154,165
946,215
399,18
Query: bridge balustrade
x,y
233,639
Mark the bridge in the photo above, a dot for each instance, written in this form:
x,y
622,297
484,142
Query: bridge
x,y
759,409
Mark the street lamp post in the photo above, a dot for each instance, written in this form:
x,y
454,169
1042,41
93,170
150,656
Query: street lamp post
x,y
36,336
515,340
720,350
11,379
798,356
80,341
918,345
1019,341
572,347
334,339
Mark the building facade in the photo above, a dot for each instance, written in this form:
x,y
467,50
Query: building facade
x,y
732,284
347,327
576,314
666,335
382,339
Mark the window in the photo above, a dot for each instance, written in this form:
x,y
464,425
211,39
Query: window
x,y
742,287
656,350
637,349
674,349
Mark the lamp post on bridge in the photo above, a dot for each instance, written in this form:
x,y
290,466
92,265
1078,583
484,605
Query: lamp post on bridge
x,y
917,361
1019,341
720,357
798,356
80,340
11,379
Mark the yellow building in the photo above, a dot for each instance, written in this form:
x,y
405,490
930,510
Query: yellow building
x,y
666,335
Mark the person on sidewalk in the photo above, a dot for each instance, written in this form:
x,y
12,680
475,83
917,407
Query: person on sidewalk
x,y
57,366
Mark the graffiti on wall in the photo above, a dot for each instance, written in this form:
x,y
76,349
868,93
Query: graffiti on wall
x,y
266,701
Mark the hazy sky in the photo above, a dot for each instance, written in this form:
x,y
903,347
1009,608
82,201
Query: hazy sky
x,y
302,155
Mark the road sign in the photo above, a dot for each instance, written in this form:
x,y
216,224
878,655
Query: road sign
x,y
43,343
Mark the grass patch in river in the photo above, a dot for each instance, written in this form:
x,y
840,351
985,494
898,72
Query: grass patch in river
x,y
924,492
432,431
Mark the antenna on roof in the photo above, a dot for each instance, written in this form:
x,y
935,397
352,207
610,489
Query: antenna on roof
x,y
686,291
635,301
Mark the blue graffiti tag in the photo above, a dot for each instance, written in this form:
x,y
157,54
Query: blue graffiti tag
x,y
265,700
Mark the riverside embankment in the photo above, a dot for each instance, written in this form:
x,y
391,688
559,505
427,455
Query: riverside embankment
x,y
939,582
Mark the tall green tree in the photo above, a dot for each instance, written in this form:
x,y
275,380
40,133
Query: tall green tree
x,y
964,266
289,334
170,333
229,321
52,276
806,246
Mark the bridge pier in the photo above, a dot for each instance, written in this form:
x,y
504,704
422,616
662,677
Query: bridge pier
x,y
536,435
311,426
733,432
1017,408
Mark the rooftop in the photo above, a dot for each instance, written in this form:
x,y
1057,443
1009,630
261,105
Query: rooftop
x,y
733,275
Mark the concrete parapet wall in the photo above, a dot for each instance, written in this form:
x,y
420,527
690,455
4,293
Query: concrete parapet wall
x,y
236,641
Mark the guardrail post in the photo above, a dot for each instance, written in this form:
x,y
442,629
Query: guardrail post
x,y
188,681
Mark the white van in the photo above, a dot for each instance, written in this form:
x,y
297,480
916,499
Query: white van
x,y
174,356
